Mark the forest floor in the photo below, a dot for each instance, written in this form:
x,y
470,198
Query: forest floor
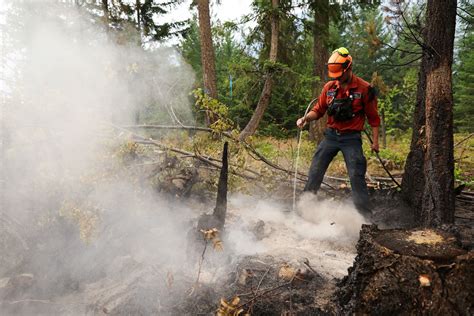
x,y
276,260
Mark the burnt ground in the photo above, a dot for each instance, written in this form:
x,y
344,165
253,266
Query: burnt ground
x,y
265,284
324,297
257,281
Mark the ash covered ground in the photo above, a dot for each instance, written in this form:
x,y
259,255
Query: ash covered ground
x,y
118,272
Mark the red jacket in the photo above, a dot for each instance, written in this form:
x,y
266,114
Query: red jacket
x,y
365,103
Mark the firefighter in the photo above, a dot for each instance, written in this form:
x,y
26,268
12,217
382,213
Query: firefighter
x,y
348,100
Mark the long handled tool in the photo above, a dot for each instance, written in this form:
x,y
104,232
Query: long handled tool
x,y
381,161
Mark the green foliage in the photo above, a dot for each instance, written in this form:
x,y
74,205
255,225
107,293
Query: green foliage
x,y
218,111
292,73
464,85
378,48
370,42
123,19
397,158
267,149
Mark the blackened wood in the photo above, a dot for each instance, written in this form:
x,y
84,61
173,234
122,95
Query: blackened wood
x,y
221,202
413,272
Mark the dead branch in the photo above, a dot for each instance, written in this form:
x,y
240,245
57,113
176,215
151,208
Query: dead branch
x,y
168,127
402,50
306,263
463,140
261,280
189,154
465,11
422,45
251,149
465,198
273,165
265,293
201,260
463,18
401,65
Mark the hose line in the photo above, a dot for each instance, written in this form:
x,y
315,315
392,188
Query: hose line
x,y
298,154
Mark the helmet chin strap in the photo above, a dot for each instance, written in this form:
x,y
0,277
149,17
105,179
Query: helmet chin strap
x,y
347,80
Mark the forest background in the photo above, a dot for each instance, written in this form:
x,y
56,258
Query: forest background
x,y
383,38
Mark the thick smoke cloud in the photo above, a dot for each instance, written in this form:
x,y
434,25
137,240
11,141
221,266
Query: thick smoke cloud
x,y
72,83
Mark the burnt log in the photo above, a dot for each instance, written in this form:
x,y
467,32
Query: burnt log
x,y
408,272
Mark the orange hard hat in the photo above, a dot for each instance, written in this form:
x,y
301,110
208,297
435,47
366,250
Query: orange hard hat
x,y
339,62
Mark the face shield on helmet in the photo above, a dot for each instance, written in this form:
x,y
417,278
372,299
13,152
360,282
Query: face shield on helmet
x,y
339,62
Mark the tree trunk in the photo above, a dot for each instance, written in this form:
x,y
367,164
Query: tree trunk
x,y
320,57
414,272
267,87
438,195
207,53
137,8
220,210
105,9
413,182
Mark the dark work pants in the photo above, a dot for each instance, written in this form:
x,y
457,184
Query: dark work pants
x,y
351,146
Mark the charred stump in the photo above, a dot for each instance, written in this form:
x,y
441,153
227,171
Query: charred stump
x,y
217,218
418,271
214,221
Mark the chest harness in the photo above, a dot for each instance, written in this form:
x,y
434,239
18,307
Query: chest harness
x,y
341,109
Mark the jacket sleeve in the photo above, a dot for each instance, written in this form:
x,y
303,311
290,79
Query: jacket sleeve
x,y
370,107
321,106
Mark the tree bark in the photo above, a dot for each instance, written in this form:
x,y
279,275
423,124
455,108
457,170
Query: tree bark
x,y
320,57
220,210
408,272
207,53
438,195
267,87
105,9
137,8
413,181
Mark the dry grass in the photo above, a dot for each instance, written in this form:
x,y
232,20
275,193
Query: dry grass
x,y
284,151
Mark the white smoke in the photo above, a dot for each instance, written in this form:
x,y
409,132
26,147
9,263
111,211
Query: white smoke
x,y
323,231
72,83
